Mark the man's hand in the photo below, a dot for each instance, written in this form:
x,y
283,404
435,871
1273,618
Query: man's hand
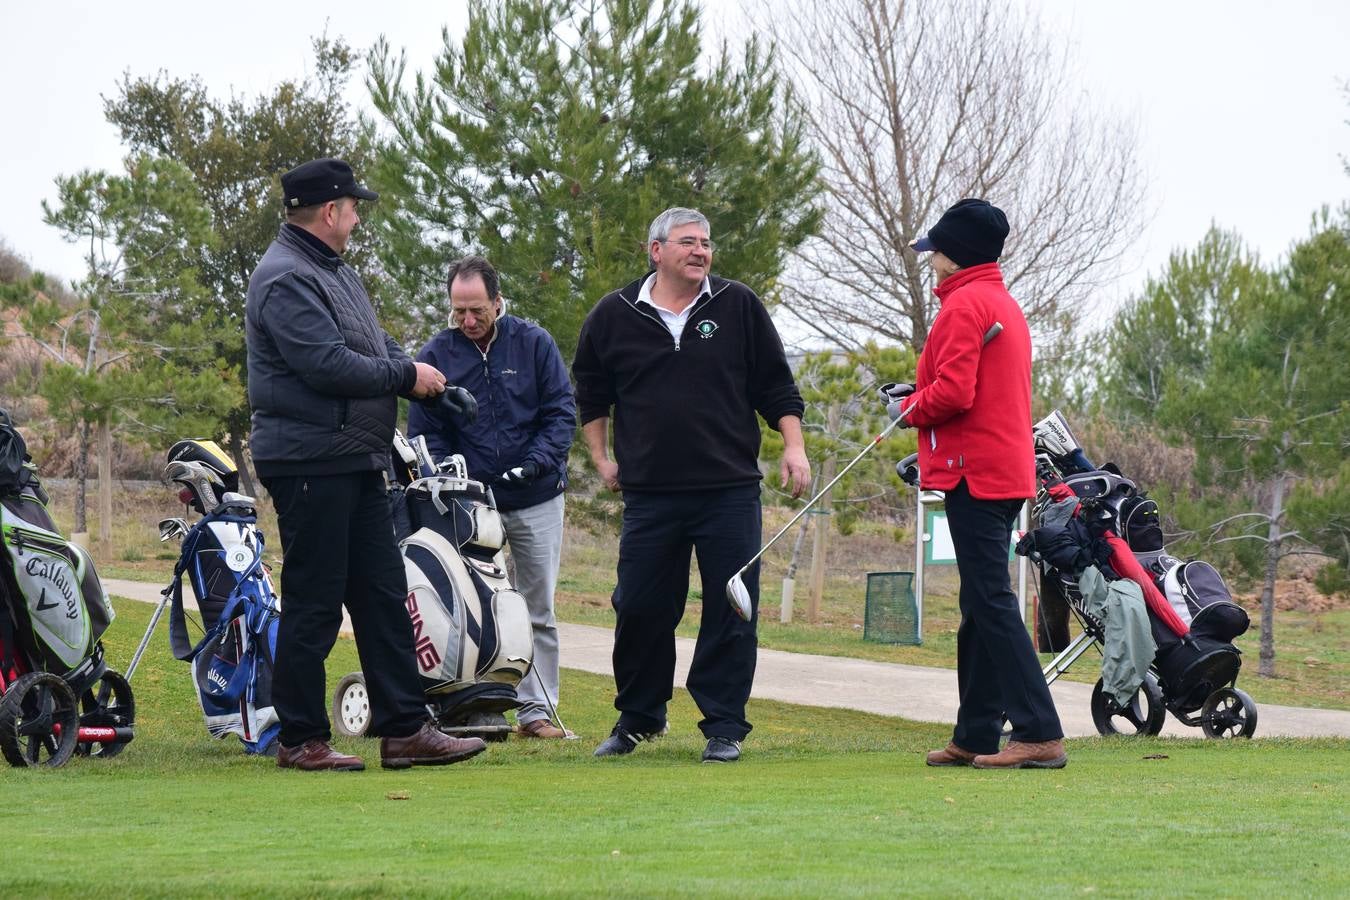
x,y
795,471
609,472
430,381
522,474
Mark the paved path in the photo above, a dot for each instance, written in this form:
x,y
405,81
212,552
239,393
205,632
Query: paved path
x,y
890,689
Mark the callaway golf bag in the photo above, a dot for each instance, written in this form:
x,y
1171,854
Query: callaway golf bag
x,y
59,697
471,629
221,557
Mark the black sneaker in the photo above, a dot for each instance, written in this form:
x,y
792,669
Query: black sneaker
x,y
621,741
722,750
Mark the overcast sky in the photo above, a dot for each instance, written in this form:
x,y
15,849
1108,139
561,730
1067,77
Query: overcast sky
x,y
1240,105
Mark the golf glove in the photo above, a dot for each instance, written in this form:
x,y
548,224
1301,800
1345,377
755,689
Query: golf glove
x,y
456,401
522,474
894,394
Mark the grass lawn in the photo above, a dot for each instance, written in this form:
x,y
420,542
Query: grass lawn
x,y
825,803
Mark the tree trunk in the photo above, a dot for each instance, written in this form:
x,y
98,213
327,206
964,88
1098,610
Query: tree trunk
x,y
820,545
105,476
235,442
789,580
1273,541
81,475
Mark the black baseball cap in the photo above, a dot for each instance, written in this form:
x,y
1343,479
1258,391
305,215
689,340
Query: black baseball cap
x,y
319,181
970,233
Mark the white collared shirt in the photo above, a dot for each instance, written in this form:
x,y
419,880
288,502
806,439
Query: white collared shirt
x,y
674,321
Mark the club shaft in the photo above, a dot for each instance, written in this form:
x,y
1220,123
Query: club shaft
x,y
823,491
989,335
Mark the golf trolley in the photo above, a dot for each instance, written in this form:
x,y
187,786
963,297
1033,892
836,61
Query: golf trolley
x,y
471,629
1191,613
58,697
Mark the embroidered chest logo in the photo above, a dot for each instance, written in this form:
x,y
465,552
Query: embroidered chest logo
x,y
706,328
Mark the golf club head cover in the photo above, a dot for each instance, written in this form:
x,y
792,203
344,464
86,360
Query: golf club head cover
x,y
456,401
522,474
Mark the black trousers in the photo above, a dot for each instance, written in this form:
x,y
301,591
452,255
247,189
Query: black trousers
x,y
660,530
997,671
337,540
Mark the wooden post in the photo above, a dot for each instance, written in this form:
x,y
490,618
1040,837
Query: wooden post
x,y
820,541
104,484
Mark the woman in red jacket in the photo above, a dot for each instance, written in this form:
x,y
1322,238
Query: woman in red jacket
x,y
972,408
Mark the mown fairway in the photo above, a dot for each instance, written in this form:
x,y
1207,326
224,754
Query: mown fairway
x,y
825,803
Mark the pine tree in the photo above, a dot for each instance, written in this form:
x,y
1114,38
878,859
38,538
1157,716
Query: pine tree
x,y
551,135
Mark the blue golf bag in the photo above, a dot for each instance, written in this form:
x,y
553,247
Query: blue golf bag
x,y
222,559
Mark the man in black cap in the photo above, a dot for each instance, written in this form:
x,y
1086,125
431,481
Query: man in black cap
x,y
323,382
971,403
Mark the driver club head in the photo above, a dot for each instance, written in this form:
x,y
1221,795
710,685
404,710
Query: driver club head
x,y
738,595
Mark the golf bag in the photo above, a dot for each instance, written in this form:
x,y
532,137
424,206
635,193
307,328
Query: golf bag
x,y
53,613
471,629
1089,516
222,558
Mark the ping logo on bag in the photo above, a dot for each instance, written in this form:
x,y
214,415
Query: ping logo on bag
x,y
428,657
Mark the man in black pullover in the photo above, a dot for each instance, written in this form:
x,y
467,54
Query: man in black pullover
x,y
684,360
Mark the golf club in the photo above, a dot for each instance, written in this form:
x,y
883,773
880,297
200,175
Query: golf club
x,y
738,595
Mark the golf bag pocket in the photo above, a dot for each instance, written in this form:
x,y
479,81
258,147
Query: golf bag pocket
x,y
468,624
1197,592
63,599
458,511
1141,525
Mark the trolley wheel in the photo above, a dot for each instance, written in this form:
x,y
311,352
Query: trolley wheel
x,y
1144,714
1228,712
39,721
351,706
108,704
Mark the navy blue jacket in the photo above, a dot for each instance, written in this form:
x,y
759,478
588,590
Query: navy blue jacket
x,y
525,409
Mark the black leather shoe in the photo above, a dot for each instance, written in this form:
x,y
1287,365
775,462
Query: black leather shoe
x,y
722,749
621,741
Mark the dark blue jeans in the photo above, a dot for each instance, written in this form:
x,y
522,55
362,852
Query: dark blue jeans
x,y
660,531
997,671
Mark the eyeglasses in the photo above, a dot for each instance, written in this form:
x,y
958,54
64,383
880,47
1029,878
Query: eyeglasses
x,y
689,243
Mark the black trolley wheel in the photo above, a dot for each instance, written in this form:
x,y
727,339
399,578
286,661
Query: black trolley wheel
x,y
1144,714
1227,713
108,703
39,721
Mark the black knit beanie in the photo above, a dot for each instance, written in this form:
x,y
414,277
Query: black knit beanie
x,y
970,233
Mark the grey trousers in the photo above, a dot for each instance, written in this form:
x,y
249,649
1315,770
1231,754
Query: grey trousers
x,y
534,535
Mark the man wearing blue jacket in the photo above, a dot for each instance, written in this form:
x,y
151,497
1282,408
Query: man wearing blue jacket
x,y
518,445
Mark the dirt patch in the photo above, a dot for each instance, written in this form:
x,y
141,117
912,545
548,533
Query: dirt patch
x,y
1294,594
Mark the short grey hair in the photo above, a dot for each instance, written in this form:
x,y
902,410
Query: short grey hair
x,y
673,218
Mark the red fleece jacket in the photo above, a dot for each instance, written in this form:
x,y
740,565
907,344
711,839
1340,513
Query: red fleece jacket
x,y
972,403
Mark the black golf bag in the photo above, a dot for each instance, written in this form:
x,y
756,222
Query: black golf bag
x,y
222,558
59,696
1089,516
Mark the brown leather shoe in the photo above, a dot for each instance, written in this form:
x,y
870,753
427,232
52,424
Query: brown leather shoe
x,y
950,755
1019,755
317,756
542,728
427,746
